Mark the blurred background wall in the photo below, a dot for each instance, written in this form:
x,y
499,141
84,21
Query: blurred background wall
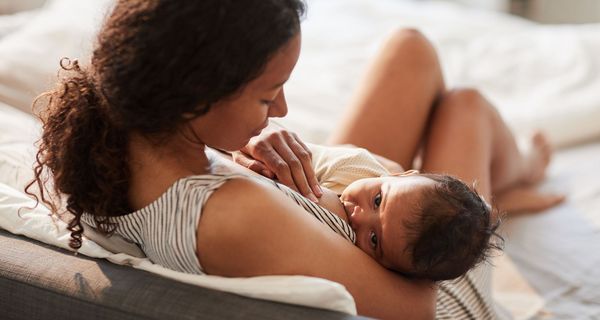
x,y
12,6
544,11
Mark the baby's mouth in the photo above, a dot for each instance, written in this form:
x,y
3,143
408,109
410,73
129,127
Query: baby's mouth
x,y
349,207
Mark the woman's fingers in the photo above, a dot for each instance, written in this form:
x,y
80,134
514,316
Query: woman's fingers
x,y
252,164
281,154
303,153
295,166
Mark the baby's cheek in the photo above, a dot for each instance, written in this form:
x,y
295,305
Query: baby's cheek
x,y
402,262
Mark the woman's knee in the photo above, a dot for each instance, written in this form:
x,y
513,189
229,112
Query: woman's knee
x,y
410,45
465,103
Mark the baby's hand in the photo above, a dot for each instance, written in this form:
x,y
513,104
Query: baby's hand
x,y
391,166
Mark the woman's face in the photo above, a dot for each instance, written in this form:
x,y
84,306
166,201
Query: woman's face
x,y
231,123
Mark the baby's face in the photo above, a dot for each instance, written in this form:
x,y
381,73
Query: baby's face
x,y
377,210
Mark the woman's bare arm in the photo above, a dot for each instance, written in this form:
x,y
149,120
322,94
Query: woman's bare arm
x,y
273,236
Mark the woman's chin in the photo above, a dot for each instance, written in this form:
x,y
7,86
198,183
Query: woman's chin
x,y
235,144
229,147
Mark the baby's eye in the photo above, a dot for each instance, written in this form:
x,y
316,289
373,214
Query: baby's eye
x,y
373,240
377,200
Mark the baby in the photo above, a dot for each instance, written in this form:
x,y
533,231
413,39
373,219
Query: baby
x,y
421,225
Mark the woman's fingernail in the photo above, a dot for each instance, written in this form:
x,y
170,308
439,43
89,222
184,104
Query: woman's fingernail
x,y
319,190
313,198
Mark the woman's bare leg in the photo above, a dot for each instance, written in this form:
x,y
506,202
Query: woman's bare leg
x,y
467,138
389,114
459,142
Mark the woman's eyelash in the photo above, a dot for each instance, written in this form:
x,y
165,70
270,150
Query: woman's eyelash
x,y
377,200
267,102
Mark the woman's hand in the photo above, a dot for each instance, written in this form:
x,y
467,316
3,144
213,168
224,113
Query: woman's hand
x,y
279,154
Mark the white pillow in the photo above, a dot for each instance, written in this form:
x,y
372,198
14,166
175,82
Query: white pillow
x,y
18,131
29,57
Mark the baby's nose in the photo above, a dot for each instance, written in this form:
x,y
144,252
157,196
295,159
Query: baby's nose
x,y
356,218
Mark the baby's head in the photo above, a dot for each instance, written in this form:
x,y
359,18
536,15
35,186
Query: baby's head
x,y
422,225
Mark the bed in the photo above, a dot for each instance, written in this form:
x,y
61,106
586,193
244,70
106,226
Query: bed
x,y
539,76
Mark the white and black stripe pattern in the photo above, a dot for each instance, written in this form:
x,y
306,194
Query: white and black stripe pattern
x,y
330,219
166,228
468,297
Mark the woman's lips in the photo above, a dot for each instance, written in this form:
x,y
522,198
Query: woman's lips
x,y
262,127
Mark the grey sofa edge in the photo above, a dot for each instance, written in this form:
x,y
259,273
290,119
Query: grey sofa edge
x,y
38,281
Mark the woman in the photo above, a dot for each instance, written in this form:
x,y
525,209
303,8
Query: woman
x,y
125,138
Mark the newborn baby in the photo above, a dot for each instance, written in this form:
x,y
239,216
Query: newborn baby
x,y
422,225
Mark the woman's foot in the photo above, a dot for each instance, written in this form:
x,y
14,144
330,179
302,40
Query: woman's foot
x,y
526,199
536,159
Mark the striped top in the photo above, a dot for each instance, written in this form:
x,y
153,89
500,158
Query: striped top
x,y
166,228
337,224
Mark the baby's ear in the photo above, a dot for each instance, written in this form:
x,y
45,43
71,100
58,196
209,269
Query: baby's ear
x,y
405,173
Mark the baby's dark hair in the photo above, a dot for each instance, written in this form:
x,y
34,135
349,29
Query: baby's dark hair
x,y
453,231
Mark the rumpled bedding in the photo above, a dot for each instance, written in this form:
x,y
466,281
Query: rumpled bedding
x,y
539,76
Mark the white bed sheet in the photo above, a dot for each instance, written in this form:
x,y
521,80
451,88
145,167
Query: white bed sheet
x,y
558,251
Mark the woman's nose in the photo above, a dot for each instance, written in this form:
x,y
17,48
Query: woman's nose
x,y
279,108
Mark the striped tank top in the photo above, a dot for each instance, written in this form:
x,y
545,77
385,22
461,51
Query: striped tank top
x,y
166,228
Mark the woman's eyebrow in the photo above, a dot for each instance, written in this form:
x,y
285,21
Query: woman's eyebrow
x,y
384,196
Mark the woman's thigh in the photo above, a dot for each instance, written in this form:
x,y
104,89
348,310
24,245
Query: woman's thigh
x,y
460,140
389,113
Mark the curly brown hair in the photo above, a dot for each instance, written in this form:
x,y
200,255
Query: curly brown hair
x,y
156,65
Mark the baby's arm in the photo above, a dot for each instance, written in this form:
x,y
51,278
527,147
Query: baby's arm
x,y
391,166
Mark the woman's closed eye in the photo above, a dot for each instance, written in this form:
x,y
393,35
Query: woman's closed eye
x,y
267,102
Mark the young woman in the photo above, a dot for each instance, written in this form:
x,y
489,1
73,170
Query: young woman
x,y
125,139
